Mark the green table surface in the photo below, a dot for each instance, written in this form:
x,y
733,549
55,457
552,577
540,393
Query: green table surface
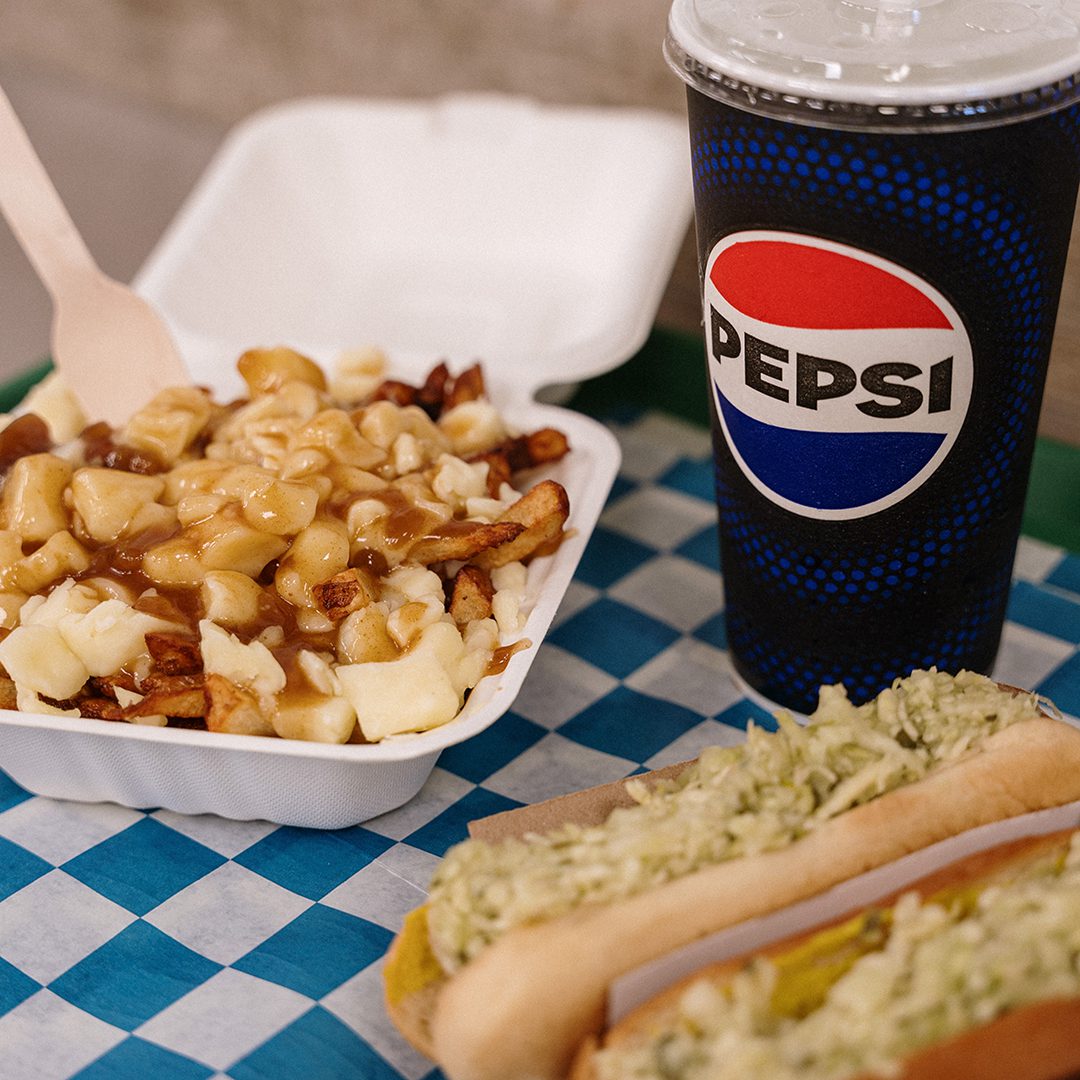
x,y
668,373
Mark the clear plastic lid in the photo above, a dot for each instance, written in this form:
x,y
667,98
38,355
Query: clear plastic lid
x,y
940,63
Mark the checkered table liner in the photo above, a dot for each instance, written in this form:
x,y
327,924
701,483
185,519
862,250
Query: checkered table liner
x,y
139,945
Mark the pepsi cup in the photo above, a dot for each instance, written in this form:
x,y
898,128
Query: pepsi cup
x,y
884,197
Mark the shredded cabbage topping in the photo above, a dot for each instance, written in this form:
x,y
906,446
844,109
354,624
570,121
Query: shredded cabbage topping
x,y
945,967
739,800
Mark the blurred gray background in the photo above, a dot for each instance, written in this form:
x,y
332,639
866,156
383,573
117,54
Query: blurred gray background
x,y
126,101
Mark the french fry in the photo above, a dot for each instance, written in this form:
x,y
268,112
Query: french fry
x,y
174,653
171,695
499,471
432,395
232,710
188,703
188,723
7,693
344,593
544,446
462,540
400,393
157,681
471,595
100,708
67,704
539,447
468,386
542,511
105,685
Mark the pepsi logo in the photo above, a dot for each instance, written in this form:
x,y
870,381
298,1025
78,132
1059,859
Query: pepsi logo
x,y
840,380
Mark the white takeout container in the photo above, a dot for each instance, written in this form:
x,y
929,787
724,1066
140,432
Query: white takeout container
x,y
535,239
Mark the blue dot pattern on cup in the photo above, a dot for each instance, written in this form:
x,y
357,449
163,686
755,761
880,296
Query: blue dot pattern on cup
x,y
902,183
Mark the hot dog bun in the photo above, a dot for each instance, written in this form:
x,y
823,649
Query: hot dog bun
x,y
522,1006
1039,1040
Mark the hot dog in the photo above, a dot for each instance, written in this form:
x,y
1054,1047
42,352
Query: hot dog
x,y
972,972
502,974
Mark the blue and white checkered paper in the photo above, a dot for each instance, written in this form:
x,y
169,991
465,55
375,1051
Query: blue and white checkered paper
x,y
139,945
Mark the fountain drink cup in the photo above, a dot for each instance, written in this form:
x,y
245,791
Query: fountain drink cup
x,y
884,197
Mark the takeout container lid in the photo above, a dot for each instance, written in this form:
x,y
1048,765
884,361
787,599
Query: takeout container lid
x,y
537,240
